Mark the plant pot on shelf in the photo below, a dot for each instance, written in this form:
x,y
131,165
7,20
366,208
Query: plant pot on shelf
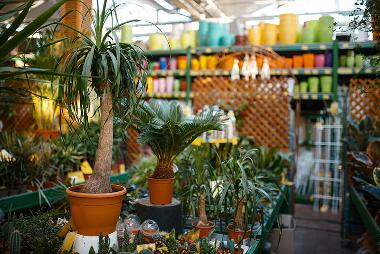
x,y
313,84
160,190
95,214
47,134
326,84
204,231
234,233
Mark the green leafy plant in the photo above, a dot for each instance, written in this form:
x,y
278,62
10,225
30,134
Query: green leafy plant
x,y
164,128
115,71
362,133
38,233
239,194
144,166
197,175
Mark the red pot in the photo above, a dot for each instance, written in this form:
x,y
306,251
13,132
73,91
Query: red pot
x,y
160,190
234,233
204,231
47,134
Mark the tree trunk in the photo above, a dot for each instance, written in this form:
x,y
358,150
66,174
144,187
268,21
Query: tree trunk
x,y
99,182
239,220
202,211
164,170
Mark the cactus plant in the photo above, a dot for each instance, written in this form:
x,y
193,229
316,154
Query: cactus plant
x,y
15,242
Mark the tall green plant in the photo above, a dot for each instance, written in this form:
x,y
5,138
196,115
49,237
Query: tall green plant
x,y
238,193
115,71
197,176
164,128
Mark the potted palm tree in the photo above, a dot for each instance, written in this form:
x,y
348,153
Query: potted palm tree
x,y
197,175
239,194
164,128
115,72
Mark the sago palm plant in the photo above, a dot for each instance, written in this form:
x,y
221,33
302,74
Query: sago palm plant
x,y
164,128
115,71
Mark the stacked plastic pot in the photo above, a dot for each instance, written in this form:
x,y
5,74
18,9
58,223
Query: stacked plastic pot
x,y
288,28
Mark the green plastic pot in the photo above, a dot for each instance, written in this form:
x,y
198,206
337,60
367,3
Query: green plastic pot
x,y
297,88
343,61
326,84
303,86
313,84
359,61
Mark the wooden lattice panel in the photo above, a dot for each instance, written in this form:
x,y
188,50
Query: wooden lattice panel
x,y
133,149
267,116
364,98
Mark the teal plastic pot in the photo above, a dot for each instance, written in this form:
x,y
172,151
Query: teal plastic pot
x,y
313,84
326,84
303,86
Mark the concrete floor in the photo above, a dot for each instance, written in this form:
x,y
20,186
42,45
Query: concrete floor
x,y
317,233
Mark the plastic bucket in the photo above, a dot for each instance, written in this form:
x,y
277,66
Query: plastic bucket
x,y
303,86
313,84
326,84
269,34
288,18
297,61
288,34
254,35
308,60
156,41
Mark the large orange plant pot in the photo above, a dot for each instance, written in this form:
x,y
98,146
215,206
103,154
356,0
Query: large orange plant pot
x,y
95,214
160,190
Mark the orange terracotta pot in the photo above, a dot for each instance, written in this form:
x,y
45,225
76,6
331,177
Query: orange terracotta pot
x,y
308,60
47,134
234,233
204,231
95,214
297,61
160,190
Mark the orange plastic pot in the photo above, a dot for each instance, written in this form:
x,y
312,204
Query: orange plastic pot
x,y
160,190
297,61
234,233
95,214
308,60
288,62
204,231
47,134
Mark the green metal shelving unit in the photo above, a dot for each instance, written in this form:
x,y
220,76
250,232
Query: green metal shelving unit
x,y
367,219
269,222
33,199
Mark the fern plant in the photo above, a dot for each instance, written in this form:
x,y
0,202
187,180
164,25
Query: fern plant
x,y
164,128
115,71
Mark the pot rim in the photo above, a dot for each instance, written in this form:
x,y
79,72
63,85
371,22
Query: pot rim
x,y
230,227
120,191
210,225
160,179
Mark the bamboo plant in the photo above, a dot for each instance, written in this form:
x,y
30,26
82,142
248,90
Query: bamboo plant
x,y
164,128
115,71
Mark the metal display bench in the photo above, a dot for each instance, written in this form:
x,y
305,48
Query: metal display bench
x,y
32,199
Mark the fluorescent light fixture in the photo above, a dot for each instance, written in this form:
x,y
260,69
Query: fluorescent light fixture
x,y
164,4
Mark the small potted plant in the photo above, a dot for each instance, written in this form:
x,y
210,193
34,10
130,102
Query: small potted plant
x,y
197,175
116,73
240,193
164,128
